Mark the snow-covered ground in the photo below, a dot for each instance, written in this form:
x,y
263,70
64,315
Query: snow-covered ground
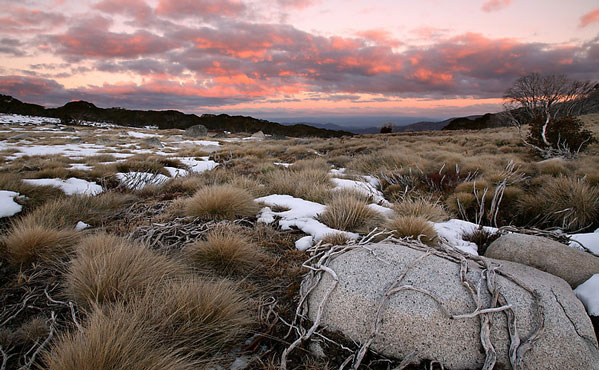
x,y
8,206
588,293
70,186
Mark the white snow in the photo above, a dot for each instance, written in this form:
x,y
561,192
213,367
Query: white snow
x,y
70,186
304,243
8,206
198,166
34,120
362,187
589,240
301,214
337,172
139,180
588,293
282,164
141,135
454,230
81,226
176,172
199,142
388,212
80,166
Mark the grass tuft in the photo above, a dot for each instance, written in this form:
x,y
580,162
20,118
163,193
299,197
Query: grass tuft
x,y
413,227
27,242
107,268
221,202
224,252
429,210
350,214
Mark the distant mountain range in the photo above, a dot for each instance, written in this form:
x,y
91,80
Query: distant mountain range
x,y
84,111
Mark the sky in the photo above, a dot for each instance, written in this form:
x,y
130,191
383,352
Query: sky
x,y
291,58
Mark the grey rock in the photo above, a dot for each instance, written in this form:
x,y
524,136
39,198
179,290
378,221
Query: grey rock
x,y
152,142
68,129
221,135
413,322
196,131
76,140
573,265
20,137
259,135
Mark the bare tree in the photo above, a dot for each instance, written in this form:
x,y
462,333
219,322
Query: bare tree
x,y
542,100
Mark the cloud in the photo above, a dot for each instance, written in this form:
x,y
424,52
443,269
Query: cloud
x,y
19,20
137,9
588,18
90,39
495,5
202,9
295,4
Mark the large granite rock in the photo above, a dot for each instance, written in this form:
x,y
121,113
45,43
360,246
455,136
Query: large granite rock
x,y
413,322
573,265
196,131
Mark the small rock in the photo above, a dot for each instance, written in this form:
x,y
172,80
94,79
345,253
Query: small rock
x,y
259,135
196,131
152,142
20,137
571,264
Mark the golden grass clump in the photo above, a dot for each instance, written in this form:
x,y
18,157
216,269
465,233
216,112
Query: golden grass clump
x,y
198,317
114,341
471,186
310,184
567,203
350,214
107,268
221,202
554,167
413,227
310,164
225,251
27,242
430,210
336,239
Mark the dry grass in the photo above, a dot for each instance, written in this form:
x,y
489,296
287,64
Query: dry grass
x,y
27,242
36,194
413,227
335,239
107,268
221,202
224,252
350,214
567,203
113,341
310,164
309,184
198,317
428,209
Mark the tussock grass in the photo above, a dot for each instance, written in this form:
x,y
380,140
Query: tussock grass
x,y
221,202
567,203
113,341
310,164
413,227
309,184
335,239
345,193
36,194
196,316
428,209
107,268
350,214
27,242
224,252
554,167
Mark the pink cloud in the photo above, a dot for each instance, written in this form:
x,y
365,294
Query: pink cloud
x,y
26,20
137,9
494,5
590,17
204,9
296,4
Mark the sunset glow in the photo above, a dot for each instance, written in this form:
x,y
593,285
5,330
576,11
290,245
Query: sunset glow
x,y
282,58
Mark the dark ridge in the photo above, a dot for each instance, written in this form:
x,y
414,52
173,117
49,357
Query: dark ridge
x,y
488,120
75,111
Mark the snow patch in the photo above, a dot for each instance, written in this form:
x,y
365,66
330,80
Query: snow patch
x,y
362,187
141,135
454,230
304,243
139,180
81,226
8,206
588,293
196,166
589,240
69,186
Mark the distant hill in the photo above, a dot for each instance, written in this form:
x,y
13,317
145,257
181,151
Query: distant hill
x,y
488,120
81,110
